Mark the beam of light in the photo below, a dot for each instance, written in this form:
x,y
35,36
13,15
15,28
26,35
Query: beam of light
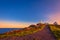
x,y
54,18
55,14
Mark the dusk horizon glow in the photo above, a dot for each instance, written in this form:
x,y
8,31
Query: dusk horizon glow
x,y
30,11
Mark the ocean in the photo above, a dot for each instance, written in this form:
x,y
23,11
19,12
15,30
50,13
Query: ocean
x,y
3,30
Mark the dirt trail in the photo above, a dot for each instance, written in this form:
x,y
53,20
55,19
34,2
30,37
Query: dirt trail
x,y
44,34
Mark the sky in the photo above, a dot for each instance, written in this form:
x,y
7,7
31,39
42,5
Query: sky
x,y
29,11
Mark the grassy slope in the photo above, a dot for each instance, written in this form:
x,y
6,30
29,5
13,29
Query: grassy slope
x,y
56,31
23,32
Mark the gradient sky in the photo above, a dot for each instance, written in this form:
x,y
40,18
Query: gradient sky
x,y
30,10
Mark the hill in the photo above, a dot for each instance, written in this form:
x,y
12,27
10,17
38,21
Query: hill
x,y
33,32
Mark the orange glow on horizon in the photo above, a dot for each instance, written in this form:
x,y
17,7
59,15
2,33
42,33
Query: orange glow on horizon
x,y
14,24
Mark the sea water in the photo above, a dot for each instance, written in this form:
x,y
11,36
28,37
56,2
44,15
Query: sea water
x,y
3,30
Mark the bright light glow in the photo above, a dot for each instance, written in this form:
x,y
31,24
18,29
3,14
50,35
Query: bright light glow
x,y
54,18
11,24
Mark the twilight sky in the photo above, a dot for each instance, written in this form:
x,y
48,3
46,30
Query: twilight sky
x,y
30,10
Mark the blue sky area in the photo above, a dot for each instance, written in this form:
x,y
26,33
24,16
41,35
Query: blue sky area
x,y
26,10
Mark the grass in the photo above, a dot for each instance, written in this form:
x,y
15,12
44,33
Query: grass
x,y
22,33
56,31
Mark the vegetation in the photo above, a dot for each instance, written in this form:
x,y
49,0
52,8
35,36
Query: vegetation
x,y
33,29
57,34
56,31
23,32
